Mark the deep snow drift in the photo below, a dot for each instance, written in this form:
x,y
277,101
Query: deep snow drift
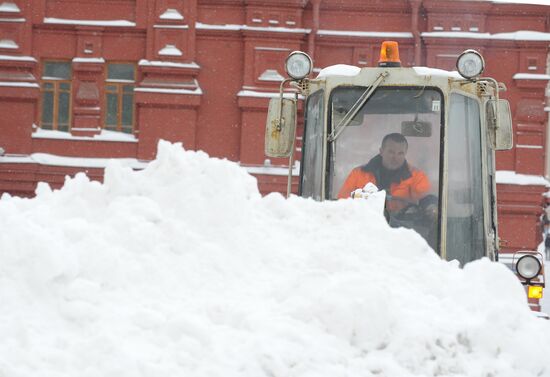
x,y
183,269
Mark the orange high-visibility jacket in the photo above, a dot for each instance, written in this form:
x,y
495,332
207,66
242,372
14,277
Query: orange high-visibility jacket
x,y
408,183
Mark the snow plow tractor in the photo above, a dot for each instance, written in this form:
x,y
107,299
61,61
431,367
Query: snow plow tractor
x,y
426,137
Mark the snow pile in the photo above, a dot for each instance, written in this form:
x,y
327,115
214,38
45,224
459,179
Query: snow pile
x,y
183,269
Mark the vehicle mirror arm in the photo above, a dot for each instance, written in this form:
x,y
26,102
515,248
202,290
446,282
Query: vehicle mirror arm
x,y
281,96
499,86
279,127
346,120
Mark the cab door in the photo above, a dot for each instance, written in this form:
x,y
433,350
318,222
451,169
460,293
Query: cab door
x,y
465,223
311,177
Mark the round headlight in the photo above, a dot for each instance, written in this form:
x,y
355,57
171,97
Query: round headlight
x,y
470,64
528,267
298,65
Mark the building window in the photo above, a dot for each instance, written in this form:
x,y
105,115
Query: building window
x,y
119,97
56,96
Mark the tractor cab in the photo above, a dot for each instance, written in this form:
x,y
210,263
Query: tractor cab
x,y
427,137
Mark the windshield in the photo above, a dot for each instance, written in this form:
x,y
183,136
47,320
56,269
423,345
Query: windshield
x,y
393,142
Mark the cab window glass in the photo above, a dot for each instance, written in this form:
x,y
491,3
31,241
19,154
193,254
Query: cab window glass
x,y
465,232
413,117
313,147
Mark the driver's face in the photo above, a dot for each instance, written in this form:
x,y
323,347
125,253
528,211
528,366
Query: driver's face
x,y
393,154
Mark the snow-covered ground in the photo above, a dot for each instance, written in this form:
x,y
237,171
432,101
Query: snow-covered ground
x,y
183,269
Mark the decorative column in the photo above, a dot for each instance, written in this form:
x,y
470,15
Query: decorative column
x,y
273,29
168,95
19,89
316,4
530,121
521,200
415,9
88,74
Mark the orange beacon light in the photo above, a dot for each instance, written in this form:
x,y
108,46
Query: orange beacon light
x,y
389,54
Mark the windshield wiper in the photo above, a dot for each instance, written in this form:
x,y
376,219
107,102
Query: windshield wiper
x,y
346,120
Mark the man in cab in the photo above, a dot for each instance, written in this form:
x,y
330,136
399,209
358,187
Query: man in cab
x,y
405,185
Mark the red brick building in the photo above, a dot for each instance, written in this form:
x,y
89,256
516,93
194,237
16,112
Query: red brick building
x,y
86,80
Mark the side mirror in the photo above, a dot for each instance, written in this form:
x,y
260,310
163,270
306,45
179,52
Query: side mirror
x,y
501,127
280,127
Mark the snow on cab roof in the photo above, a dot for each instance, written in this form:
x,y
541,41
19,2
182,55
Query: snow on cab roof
x,y
339,70
350,70
425,71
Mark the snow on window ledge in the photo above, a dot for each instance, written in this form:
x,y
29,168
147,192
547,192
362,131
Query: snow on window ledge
x,y
116,23
533,2
531,76
15,20
88,60
19,84
159,63
9,7
272,170
105,135
171,14
170,50
18,58
164,26
522,35
8,43
509,177
271,75
233,27
78,162
253,93
196,92
371,34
